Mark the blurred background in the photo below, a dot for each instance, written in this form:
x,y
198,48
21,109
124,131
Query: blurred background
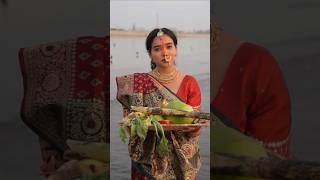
x,y
290,31
26,24
130,23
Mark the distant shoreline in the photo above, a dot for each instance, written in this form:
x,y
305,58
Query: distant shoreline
x,y
117,33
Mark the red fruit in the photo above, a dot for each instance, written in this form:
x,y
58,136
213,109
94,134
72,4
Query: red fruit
x,y
164,121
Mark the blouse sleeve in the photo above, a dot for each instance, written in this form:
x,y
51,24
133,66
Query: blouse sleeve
x,y
194,96
268,111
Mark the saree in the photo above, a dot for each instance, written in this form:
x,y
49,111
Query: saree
x,y
183,159
66,94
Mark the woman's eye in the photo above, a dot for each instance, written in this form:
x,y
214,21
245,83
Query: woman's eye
x,y
169,47
156,49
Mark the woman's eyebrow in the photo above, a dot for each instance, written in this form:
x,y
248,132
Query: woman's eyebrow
x,y
158,45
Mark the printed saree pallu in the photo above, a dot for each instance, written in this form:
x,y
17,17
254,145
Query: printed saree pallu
x,y
65,93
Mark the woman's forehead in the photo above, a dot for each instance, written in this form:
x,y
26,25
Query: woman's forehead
x,y
164,39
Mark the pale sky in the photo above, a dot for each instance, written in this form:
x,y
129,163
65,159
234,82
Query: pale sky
x,y
183,15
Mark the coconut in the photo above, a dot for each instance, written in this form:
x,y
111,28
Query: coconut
x,y
178,105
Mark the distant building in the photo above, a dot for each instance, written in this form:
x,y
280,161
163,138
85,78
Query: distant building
x,y
133,27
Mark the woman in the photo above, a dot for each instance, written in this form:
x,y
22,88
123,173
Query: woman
x,y
248,88
165,81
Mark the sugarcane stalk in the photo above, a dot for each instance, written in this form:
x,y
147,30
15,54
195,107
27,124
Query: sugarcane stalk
x,y
168,112
269,168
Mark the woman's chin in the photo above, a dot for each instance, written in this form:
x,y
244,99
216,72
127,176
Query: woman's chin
x,y
165,65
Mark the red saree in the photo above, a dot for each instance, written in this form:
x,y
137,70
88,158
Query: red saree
x,y
183,160
255,97
189,92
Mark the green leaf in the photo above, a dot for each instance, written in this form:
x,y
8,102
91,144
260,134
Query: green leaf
x,y
141,128
162,147
122,134
153,121
160,129
133,127
162,144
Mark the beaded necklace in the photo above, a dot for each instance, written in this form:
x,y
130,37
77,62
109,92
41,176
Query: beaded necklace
x,y
165,78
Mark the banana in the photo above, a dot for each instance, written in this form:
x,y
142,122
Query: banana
x,y
226,140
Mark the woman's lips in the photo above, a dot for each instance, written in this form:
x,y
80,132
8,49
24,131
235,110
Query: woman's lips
x,y
166,60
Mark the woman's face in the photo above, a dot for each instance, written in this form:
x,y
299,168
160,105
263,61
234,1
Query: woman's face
x,y
163,51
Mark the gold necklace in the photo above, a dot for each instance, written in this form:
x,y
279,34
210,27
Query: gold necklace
x,y
215,35
165,77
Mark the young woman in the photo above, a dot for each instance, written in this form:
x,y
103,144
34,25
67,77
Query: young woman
x,y
165,81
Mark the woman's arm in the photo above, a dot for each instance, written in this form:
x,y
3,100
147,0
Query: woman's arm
x,y
268,113
194,99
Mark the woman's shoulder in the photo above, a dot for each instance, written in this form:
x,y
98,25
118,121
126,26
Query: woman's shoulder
x,y
190,79
250,48
252,54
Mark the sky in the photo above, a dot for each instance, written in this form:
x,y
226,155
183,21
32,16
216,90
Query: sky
x,y
184,15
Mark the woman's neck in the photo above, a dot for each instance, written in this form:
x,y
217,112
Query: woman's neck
x,y
165,76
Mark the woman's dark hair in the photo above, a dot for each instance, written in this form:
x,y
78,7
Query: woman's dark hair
x,y
153,34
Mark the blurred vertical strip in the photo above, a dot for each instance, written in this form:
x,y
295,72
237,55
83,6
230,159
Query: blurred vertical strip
x,y
4,3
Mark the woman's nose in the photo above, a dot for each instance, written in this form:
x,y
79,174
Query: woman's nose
x,y
164,52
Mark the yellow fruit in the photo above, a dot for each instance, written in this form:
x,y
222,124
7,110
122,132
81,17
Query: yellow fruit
x,y
178,105
135,114
139,114
157,117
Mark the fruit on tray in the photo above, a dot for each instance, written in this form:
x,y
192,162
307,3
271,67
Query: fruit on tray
x,y
178,105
